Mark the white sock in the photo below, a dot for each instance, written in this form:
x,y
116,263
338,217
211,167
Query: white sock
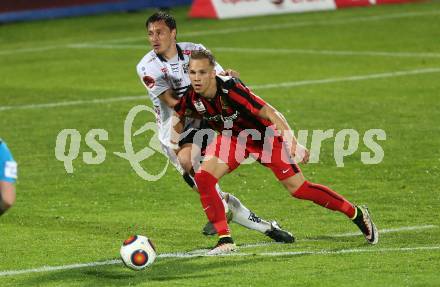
x,y
222,196
242,215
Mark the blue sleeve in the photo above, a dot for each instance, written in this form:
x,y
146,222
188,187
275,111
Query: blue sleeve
x,y
8,166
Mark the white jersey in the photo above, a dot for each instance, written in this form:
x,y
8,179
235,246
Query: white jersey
x,y
158,75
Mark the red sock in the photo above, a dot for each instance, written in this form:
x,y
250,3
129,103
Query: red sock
x,y
211,201
324,196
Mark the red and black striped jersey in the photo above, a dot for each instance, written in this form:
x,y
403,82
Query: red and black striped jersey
x,y
234,107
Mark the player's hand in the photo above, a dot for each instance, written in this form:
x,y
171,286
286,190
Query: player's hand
x,y
174,147
170,98
231,73
300,153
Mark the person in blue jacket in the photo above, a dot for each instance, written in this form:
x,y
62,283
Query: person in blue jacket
x,y
8,176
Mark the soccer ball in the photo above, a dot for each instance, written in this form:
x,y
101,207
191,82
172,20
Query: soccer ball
x,y
138,252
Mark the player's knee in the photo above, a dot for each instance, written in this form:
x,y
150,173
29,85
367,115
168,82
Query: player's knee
x,y
294,184
7,205
7,201
298,191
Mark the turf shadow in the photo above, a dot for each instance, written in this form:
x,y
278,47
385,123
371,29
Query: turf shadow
x,y
164,270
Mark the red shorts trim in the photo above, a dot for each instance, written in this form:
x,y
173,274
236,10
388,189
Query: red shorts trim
x,y
271,153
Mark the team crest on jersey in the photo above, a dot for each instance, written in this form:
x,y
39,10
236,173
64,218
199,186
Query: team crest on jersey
x,y
165,72
199,106
149,81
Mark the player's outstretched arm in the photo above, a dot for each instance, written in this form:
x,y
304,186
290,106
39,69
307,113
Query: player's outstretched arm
x,y
275,117
176,130
169,98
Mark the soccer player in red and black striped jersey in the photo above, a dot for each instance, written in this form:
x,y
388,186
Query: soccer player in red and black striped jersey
x,y
164,73
248,126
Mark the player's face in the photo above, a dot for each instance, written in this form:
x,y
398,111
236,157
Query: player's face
x,y
161,37
201,74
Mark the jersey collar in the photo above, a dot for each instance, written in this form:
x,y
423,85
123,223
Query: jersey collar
x,y
221,90
179,53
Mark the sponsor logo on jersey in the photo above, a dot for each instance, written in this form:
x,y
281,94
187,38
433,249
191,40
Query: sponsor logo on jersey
x,y
215,118
149,81
175,68
177,82
199,106
218,118
185,68
231,118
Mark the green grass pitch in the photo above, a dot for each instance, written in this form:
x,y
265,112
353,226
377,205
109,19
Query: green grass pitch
x,y
360,68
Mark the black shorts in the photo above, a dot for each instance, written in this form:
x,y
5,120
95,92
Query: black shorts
x,y
191,137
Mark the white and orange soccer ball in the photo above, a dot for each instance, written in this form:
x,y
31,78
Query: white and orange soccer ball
x,y
138,252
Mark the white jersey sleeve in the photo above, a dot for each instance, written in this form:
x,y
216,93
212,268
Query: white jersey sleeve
x,y
155,79
152,77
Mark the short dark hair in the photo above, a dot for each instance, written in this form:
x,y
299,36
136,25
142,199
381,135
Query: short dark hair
x,y
162,16
203,54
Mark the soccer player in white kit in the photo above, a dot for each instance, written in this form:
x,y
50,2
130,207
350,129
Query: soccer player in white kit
x,y
164,73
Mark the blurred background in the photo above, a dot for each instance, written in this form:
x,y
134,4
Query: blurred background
x,y
23,10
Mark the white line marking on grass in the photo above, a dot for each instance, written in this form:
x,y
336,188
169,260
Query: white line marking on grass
x,y
72,103
202,252
61,267
276,51
30,50
312,239
108,46
347,79
346,251
389,230
323,52
304,24
256,87
241,246
188,255
305,252
213,31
